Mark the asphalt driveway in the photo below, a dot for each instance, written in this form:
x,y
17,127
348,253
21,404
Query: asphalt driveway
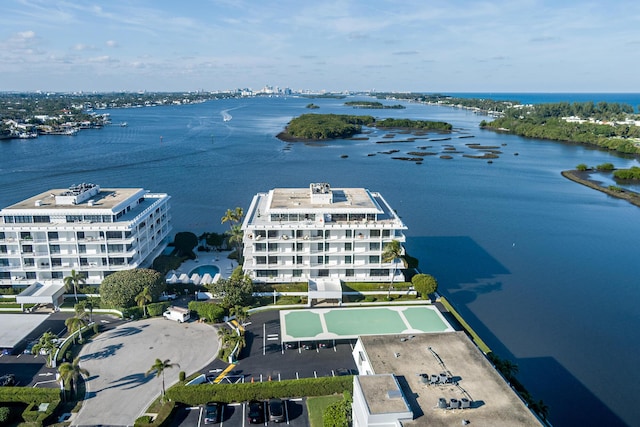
x,y
118,391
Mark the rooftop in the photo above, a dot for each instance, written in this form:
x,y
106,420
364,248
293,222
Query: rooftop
x,y
383,394
105,199
344,199
493,402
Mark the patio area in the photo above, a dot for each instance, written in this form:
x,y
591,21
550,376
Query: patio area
x,y
207,268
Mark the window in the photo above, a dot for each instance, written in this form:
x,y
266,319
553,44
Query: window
x,y
31,275
348,259
3,249
273,234
386,233
273,260
348,233
56,274
374,246
114,235
374,233
374,259
82,249
52,235
27,249
25,235
297,273
80,235
273,247
349,272
348,246
298,259
54,249
261,260
260,247
115,248
2,235
323,273
266,273
29,262
320,246
327,234
379,272
299,247
4,263
56,262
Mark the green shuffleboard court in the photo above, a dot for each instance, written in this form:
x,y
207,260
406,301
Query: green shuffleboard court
x,y
351,322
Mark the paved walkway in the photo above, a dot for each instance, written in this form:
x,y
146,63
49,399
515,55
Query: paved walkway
x,y
118,391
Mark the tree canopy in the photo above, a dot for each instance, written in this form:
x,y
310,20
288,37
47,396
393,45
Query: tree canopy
x,y
424,284
236,290
184,242
120,289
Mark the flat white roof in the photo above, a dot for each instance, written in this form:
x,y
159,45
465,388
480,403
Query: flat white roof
x,y
15,327
298,200
106,199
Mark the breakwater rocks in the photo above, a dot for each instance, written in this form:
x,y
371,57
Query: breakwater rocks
x,y
583,178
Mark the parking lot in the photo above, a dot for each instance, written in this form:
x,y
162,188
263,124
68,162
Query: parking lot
x,y
235,415
265,358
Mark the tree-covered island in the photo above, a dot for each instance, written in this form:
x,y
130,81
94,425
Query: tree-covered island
x,y
611,126
373,105
314,127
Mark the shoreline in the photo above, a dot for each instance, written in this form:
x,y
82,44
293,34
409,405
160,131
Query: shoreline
x,y
630,196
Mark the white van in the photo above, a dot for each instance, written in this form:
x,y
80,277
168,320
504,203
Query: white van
x,y
178,314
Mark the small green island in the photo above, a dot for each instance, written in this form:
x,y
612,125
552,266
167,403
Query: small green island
x,y
582,175
312,106
373,105
316,127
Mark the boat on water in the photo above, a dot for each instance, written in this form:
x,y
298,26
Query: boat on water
x,y
226,117
124,124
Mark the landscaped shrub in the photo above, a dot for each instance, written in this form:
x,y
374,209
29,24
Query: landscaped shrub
x,y
157,308
121,288
206,310
164,263
202,393
339,413
4,414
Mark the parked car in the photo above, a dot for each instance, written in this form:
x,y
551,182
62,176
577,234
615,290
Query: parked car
x,y
167,296
276,410
344,371
324,344
291,345
255,414
29,348
308,346
7,380
212,412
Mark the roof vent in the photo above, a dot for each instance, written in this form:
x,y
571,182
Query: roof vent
x,y
38,203
394,394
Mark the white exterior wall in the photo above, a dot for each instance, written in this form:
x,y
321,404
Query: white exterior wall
x,y
297,251
47,252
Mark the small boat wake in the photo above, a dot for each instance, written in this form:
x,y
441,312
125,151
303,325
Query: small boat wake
x,y
226,117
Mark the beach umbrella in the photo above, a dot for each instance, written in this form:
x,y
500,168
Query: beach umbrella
x,y
195,279
172,278
184,278
206,279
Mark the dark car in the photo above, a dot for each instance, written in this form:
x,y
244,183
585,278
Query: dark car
x,y
212,412
255,415
276,410
308,346
7,380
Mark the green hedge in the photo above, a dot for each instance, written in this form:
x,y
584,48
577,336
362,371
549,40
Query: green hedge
x,y
304,387
157,308
206,310
33,397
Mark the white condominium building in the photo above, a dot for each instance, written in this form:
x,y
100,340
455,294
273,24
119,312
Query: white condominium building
x,y
301,234
94,231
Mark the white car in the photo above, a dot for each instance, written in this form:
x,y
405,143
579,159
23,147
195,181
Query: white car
x,y
167,297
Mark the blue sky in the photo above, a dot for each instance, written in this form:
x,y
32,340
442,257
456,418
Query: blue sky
x,y
408,45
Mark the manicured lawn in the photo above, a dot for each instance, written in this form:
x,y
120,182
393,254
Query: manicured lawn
x,y
317,405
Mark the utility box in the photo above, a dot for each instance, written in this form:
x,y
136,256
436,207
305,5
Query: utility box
x,y
178,314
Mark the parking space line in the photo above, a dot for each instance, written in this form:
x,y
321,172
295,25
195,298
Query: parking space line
x,y
264,339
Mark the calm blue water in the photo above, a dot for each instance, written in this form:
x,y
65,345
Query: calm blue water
x,y
204,269
544,269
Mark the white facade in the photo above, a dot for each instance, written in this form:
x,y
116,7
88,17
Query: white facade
x,y
84,228
301,234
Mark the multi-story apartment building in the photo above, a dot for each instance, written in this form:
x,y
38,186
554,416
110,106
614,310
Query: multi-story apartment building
x,y
300,234
94,231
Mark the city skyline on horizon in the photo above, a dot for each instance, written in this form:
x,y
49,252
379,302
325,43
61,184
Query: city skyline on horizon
x,y
537,47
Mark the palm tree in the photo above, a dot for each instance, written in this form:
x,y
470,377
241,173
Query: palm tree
x,y
235,238
143,298
72,281
47,345
91,303
158,368
392,252
76,323
70,372
232,216
240,313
